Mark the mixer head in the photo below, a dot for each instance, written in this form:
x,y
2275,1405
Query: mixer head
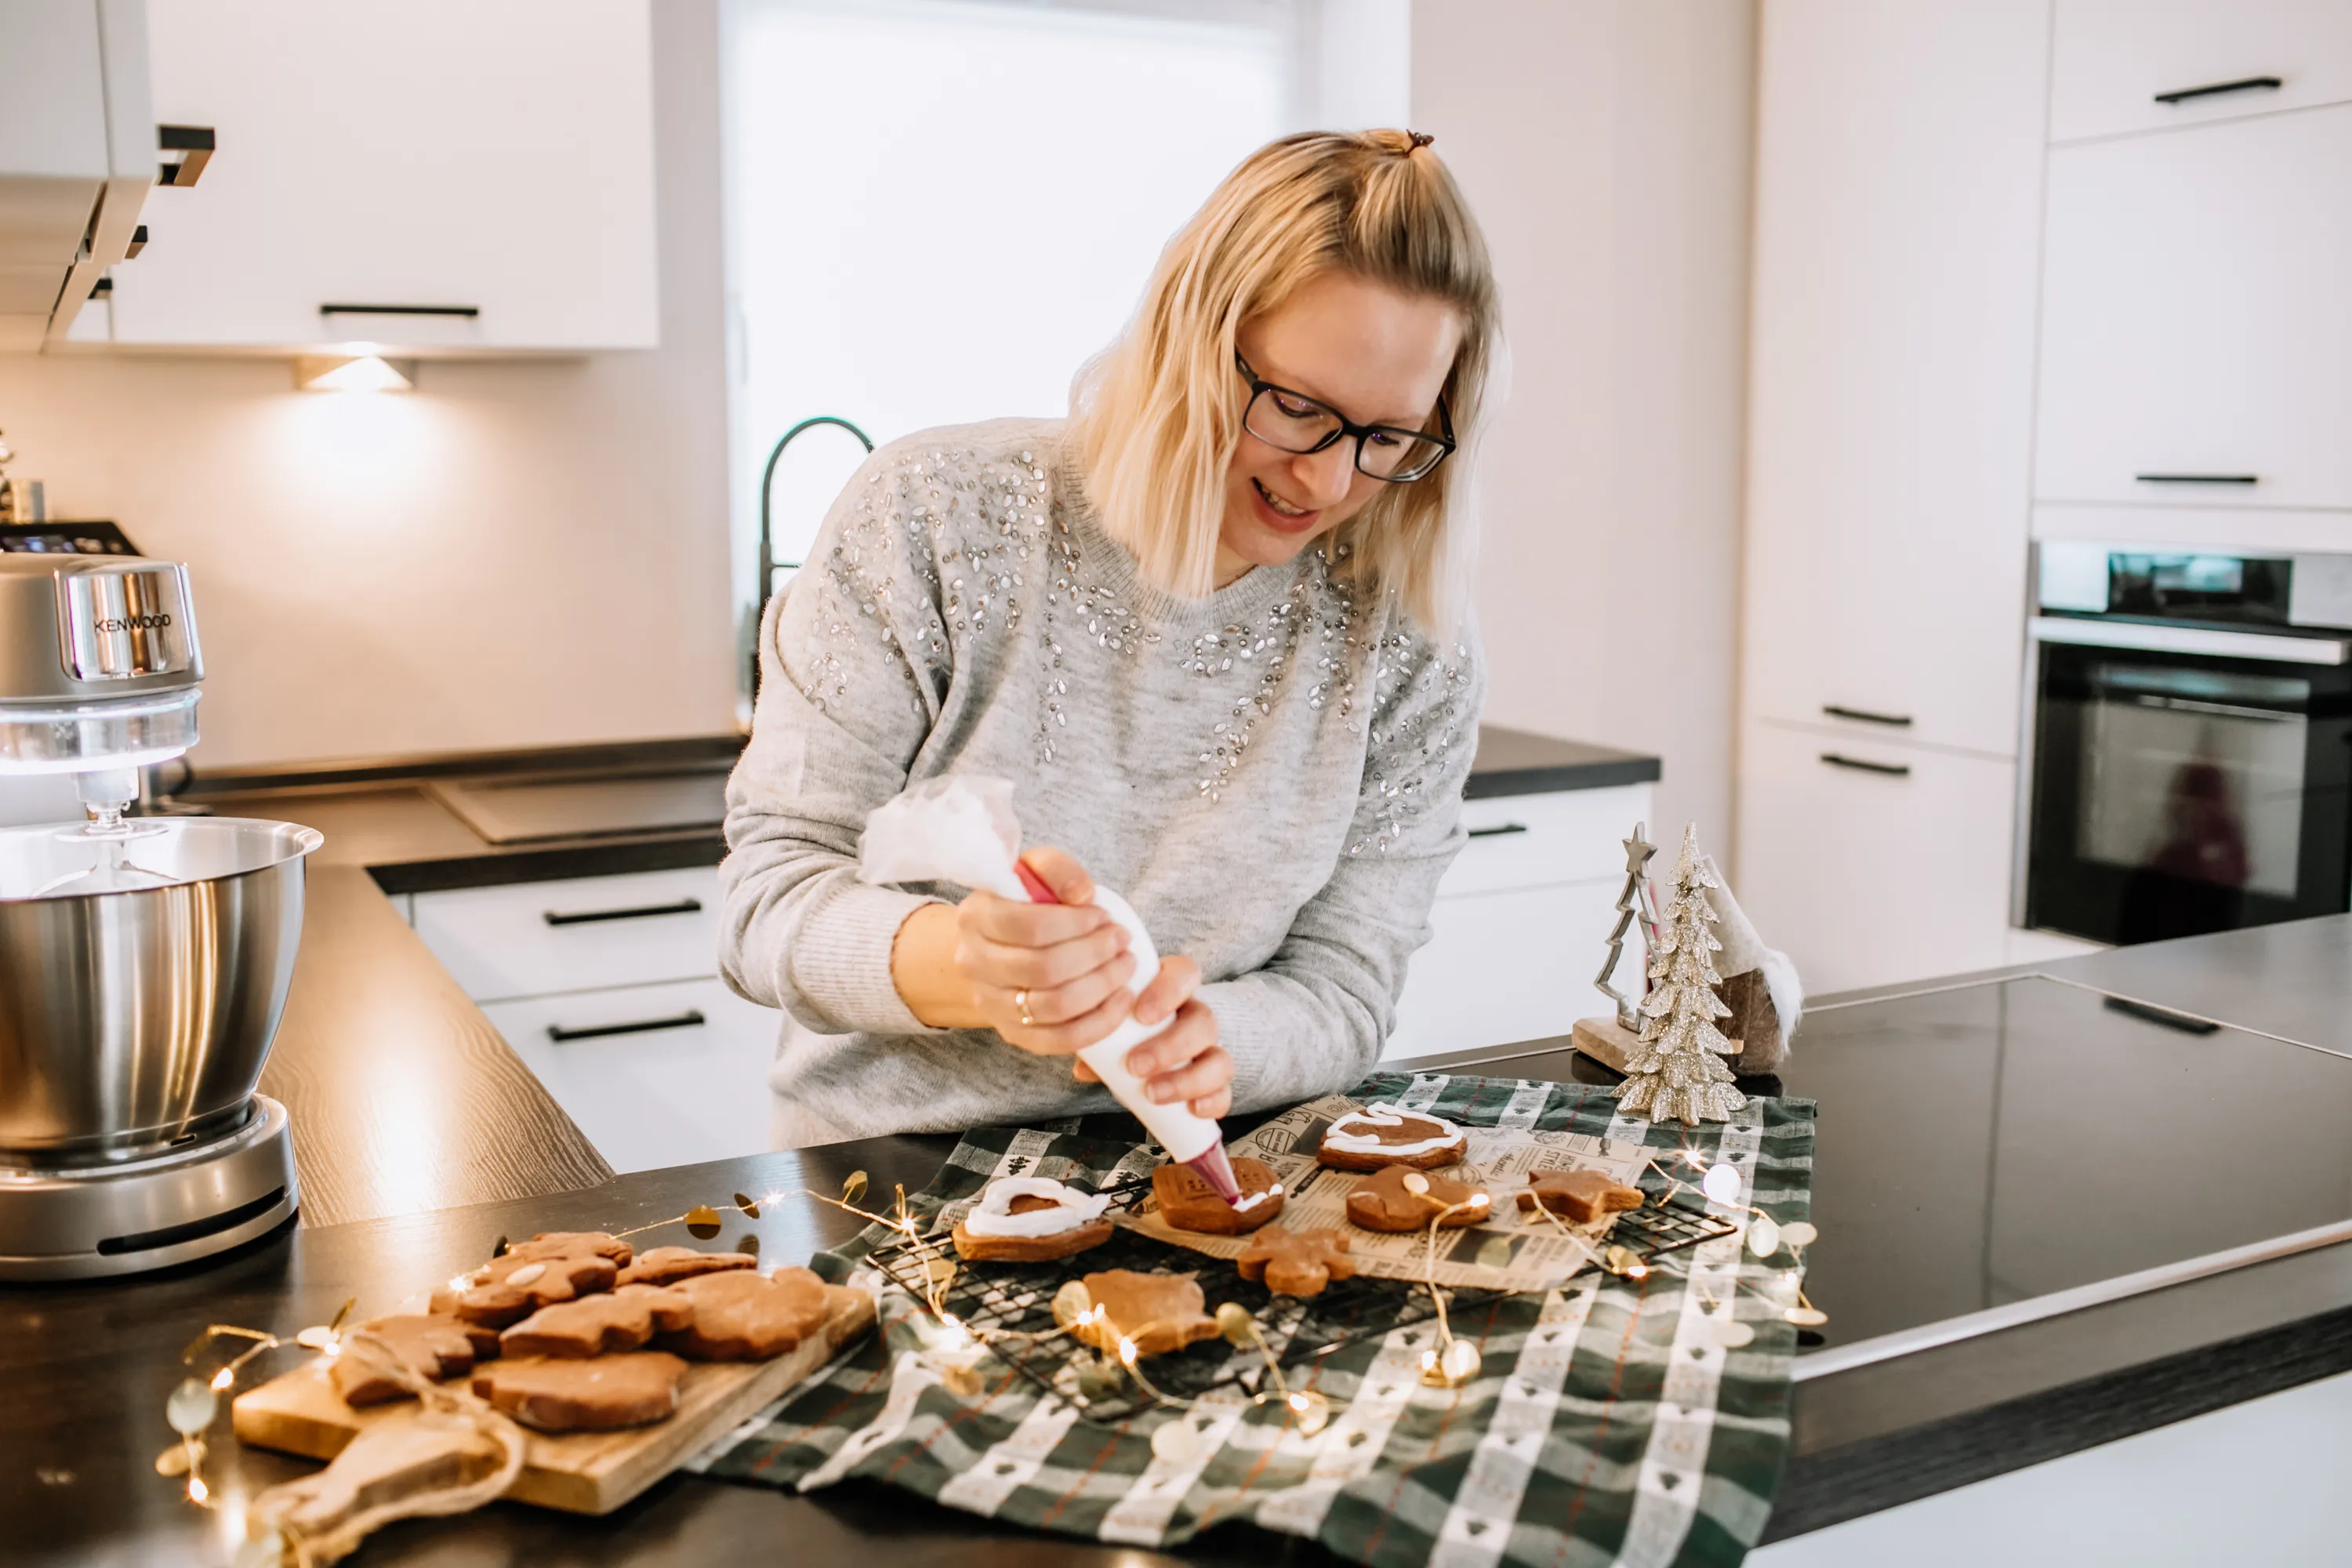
x,y
99,666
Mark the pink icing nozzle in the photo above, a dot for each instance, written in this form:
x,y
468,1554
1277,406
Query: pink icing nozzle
x,y
1218,1171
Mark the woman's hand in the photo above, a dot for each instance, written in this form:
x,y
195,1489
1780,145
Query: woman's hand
x,y
1183,1061
1050,978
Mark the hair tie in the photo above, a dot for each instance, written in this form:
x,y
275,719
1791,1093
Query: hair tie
x,y
1420,139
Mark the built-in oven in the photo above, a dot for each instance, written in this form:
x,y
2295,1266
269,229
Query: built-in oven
x,y
2189,764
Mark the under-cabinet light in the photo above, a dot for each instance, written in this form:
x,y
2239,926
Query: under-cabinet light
x,y
358,372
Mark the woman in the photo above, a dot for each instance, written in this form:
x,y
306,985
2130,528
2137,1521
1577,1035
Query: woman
x,y
1209,629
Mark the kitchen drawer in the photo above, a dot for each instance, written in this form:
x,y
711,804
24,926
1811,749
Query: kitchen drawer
x,y
1540,840
2195,321
531,938
661,1088
1872,863
1504,967
2112,60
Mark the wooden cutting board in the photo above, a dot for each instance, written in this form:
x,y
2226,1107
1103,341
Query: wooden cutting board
x,y
580,1472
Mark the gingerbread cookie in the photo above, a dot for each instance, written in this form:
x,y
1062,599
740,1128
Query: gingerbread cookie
x,y
668,1265
1159,1312
563,1243
1382,1135
429,1346
742,1315
510,1289
1399,1198
598,1394
1580,1196
1028,1220
622,1319
1296,1263
1189,1203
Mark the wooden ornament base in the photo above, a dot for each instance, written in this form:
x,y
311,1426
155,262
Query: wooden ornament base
x,y
1605,1041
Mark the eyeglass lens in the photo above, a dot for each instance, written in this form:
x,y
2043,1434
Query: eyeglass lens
x,y
1301,424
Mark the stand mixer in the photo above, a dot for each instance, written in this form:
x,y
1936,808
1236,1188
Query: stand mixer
x,y
143,963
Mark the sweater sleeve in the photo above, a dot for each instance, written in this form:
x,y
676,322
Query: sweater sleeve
x,y
853,666
1312,1019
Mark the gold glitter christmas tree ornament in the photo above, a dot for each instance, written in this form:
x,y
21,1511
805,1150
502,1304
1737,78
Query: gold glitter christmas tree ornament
x,y
1676,1071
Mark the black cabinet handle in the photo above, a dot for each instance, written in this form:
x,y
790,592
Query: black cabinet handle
x,y
1892,769
194,144
1899,720
468,312
689,1020
2214,90
636,912
2198,478
2187,1022
1499,829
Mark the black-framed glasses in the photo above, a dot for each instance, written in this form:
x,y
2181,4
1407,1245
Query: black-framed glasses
x,y
1293,422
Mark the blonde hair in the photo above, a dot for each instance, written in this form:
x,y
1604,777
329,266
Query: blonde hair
x,y
1156,417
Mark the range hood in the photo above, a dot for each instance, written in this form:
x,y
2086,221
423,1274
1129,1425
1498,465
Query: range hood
x,y
78,155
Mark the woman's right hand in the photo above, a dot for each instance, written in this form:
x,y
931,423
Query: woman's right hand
x,y
1050,978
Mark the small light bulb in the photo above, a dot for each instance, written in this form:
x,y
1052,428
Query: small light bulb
x,y
1127,1350
197,1491
222,1379
1639,1271
1298,1402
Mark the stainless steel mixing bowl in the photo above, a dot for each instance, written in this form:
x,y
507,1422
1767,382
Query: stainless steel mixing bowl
x,y
134,1019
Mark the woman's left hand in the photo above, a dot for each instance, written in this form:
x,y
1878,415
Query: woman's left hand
x,y
1183,1061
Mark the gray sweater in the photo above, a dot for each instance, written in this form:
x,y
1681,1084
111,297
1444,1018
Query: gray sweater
x,y
1272,775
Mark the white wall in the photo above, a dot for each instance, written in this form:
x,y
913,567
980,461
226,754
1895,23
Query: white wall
x,y
1606,145
520,553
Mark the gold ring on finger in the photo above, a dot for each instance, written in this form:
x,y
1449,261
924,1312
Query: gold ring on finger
x,y
1020,1002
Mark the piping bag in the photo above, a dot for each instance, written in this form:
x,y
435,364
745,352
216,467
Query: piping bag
x,y
961,828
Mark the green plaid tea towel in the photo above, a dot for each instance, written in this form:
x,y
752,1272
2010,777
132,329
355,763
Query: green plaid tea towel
x,y
1609,1424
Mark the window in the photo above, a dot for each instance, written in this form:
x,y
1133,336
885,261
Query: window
x,y
939,210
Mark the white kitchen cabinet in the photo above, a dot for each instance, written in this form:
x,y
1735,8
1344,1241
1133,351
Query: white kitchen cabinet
x,y
445,156
1899,160
535,939
653,1075
78,154
2197,331
2125,66
1871,863
1521,920
1507,966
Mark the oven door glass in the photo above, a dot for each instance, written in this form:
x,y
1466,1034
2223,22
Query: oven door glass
x,y
2177,793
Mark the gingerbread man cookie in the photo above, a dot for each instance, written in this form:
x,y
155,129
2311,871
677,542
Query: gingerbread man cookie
x,y
742,1315
561,1243
1028,1220
1189,1203
1579,1196
668,1265
622,1319
1296,1263
1398,1198
598,1394
1380,1135
510,1289
429,1346
1158,1312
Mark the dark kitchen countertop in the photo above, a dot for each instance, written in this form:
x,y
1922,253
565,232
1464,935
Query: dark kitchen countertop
x,y
88,1365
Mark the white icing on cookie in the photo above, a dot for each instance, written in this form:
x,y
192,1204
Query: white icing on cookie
x,y
993,1215
1249,1201
1381,1114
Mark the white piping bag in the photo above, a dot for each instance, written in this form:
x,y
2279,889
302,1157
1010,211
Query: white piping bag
x,y
961,828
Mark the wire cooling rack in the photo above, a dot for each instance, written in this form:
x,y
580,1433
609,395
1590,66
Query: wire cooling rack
x,y
1654,1230
1008,1302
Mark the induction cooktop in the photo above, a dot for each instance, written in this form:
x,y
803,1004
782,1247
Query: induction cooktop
x,y
534,809
2009,1150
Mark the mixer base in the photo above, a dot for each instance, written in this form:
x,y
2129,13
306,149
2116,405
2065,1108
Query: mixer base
x,y
150,1214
